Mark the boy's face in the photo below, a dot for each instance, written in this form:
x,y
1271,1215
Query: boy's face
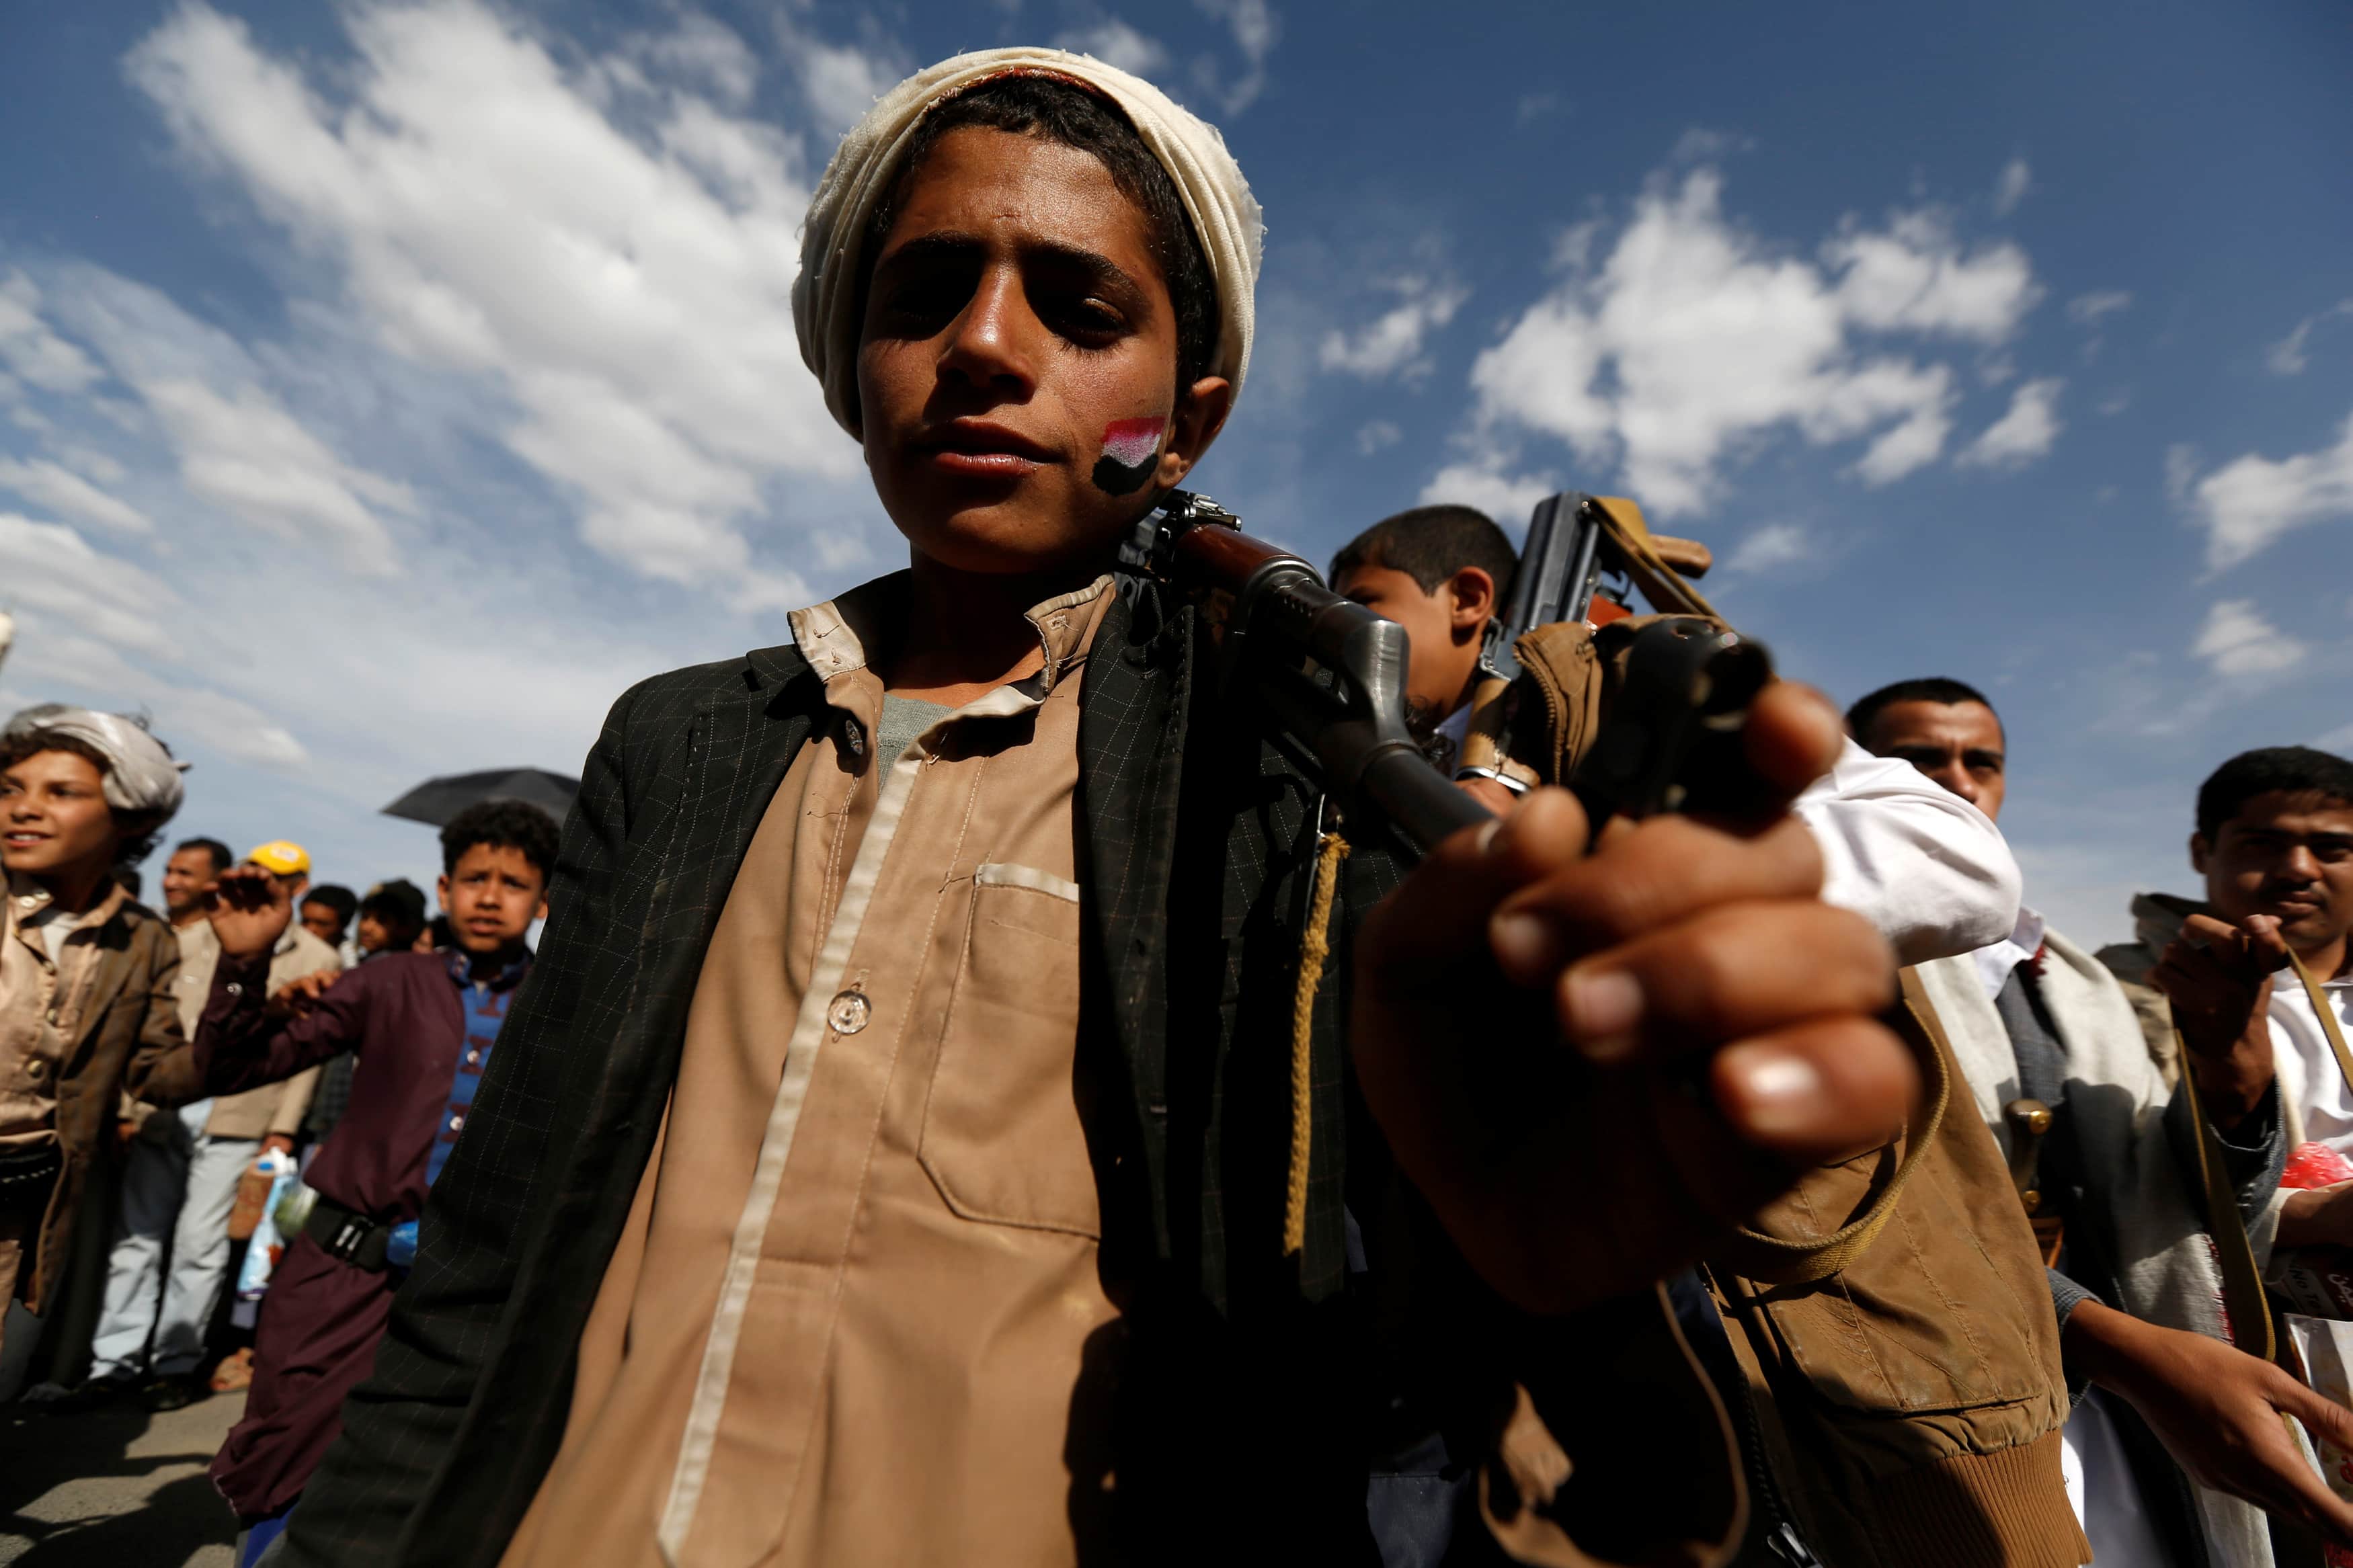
x,y
2286,856
1442,629
491,897
54,819
322,921
1017,373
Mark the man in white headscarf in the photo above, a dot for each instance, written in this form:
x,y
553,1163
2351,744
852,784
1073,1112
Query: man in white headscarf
x,y
888,1162
86,971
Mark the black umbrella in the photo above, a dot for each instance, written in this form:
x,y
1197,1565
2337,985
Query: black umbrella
x,y
436,801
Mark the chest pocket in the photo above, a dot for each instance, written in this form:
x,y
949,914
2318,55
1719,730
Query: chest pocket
x,y
1003,1138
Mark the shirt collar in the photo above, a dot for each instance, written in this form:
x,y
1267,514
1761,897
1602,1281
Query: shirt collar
x,y
461,964
839,636
28,900
1996,961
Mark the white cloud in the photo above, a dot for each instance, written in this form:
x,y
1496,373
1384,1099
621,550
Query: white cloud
x,y
625,295
81,609
1256,29
1481,483
1775,547
1693,340
2238,641
1116,43
2288,357
2339,740
1376,435
30,348
2010,186
61,489
2023,434
2251,502
1534,106
2086,310
1391,344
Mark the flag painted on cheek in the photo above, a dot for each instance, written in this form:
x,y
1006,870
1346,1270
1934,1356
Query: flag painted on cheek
x,y
1131,451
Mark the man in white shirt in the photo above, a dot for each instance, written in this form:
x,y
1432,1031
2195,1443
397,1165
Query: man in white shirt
x,y
2046,1036
2275,842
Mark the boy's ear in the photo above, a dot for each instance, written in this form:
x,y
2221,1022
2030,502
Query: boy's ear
x,y
2199,849
1201,415
1474,592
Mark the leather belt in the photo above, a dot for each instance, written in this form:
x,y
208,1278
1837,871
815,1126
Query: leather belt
x,y
347,1236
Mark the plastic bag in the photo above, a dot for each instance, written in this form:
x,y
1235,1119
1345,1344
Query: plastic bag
x,y
269,1244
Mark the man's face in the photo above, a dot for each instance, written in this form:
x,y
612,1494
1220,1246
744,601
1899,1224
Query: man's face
x,y
54,819
1442,627
492,897
322,921
188,876
1959,744
1016,372
2286,856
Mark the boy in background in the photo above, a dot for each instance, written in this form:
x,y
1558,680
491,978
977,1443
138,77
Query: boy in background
x,y
421,1028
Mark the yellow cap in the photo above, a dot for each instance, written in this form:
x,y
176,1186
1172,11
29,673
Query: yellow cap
x,y
281,856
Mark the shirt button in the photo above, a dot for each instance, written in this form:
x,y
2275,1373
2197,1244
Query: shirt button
x,y
849,1013
234,989
472,1058
457,1124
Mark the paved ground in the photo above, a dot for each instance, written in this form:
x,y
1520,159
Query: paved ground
x,y
115,1488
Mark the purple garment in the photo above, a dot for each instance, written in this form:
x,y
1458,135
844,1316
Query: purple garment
x,y
403,1019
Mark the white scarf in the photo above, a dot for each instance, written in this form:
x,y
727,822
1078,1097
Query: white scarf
x,y
1225,216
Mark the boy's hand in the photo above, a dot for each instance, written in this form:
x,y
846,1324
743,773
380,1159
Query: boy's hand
x,y
296,997
250,909
1595,1065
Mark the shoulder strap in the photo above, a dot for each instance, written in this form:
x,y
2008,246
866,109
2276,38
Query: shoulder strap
x,y
2243,1280
2327,1019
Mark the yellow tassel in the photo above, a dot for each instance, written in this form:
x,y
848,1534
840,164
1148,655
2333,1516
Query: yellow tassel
x,y
1314,947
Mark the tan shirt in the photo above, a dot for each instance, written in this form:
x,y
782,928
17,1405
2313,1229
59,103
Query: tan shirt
x,y
274,1107
856,1305
41,1001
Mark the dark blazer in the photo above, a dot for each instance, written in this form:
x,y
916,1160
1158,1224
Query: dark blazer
x,y
1239,1385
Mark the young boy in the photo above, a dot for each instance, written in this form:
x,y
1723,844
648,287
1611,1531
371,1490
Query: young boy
x,y
86,975
1441,572
887,1162
422,1028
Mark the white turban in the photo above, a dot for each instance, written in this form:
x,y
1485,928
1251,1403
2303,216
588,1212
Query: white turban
x,y
865,166
140,773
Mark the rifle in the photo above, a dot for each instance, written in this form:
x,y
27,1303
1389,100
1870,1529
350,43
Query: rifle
x,y
1328,675
1327,672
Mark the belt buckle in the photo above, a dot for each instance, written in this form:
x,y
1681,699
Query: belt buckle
x,y
350,1233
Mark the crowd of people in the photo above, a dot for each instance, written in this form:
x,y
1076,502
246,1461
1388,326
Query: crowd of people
x,y
975,1101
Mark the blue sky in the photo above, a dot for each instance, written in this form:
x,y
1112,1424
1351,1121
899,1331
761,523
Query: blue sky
x,y
384,387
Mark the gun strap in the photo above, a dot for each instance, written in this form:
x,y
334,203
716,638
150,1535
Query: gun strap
x,y
1314,950
2242,1280
1659,582
1770,1260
